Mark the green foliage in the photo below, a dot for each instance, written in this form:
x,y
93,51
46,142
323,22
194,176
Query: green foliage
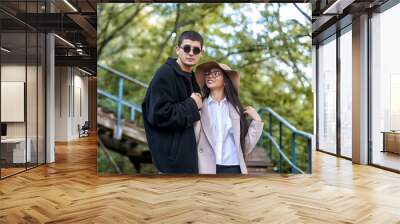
x,y
272,54
104,166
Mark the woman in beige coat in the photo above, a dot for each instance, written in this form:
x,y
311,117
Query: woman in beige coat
x,y
223,135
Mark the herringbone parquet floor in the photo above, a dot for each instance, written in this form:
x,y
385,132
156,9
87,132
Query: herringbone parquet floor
x,y
69,191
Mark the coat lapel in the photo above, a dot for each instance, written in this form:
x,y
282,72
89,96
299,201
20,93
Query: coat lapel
x,y
205,123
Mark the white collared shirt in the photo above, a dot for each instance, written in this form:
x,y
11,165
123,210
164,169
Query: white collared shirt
x,y
225,149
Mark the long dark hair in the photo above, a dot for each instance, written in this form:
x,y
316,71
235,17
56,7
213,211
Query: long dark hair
x,y
232,96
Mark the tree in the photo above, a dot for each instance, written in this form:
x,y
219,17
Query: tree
x,y
272,54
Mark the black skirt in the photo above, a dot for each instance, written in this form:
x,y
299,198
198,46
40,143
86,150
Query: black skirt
x,y
228,169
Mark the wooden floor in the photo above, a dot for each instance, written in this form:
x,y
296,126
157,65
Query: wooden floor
x,y
70,191
387,159
10,171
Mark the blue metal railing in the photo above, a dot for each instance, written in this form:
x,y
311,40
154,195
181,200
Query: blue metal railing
x,y
134,108
119,99
272,115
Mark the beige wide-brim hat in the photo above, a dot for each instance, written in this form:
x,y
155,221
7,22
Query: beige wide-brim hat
x,y
207,66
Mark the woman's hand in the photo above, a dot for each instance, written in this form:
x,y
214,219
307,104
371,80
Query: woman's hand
x,y
251,112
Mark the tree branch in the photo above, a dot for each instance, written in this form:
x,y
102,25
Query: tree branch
x,y
302,12
110,18
108,156
164,44
293,63
117,30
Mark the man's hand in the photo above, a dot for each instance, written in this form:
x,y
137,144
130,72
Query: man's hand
x,y
197,99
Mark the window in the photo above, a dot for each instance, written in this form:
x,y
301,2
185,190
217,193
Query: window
x,y
385,88
346,92
22,76
327,96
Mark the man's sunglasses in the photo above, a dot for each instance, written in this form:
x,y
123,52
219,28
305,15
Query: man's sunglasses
x,y
188,48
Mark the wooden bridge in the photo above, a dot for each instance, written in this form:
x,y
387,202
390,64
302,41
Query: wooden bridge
x,y
123,135
257,162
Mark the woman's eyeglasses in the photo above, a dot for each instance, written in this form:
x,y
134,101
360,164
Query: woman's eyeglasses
x,y
188,48
213,74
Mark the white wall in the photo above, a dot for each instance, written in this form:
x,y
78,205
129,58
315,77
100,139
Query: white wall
x,y
61,103
14,73
71,94
33,126
50,95
360,90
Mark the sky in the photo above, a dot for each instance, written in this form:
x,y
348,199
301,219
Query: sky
x,y
288,11
252,12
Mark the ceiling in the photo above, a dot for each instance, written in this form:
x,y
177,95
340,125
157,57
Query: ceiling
x,y
328,16
74,22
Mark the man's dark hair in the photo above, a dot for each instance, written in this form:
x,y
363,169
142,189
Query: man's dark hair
x,y
191,35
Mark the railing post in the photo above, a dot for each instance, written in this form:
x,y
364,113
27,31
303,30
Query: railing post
x,y
309,155
117,133
270,134
293,151
133,114
280,146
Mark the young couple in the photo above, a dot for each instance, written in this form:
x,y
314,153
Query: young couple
x,y
194,121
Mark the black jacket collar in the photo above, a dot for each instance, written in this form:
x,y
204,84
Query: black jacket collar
x,y
172,62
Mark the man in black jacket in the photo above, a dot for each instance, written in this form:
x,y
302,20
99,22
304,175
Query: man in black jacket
x,y
171,106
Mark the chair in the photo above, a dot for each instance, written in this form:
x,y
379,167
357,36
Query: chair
x,y
84,130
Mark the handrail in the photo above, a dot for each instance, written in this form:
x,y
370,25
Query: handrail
x,y
272,114
119,99
304,134
124,102
123,76
282,153
294,134
278,117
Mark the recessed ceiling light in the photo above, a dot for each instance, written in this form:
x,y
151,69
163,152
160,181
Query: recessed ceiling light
x,y
70,5
5,50
64,40
84,71
338,6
